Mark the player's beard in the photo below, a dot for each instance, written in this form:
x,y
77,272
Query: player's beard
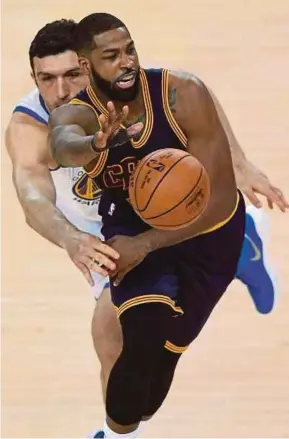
x,y
112,91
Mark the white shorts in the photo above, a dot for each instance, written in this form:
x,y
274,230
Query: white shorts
x,y
94,228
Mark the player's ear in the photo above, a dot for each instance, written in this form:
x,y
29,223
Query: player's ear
x,y
84,65
33,76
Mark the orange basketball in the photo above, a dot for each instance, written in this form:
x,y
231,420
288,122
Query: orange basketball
x,y
169,189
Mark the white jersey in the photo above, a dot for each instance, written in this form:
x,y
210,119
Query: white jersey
x,y
77,194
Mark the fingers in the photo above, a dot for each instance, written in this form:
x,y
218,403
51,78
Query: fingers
x,y
106,250
101,139
86,272
270,204
119,277
134,129
115,120
111,124
281,197
276,197
252,197
111,113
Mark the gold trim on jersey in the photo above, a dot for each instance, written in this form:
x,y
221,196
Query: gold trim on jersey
x,y
149,298
103,155
224,222
175,349
173,123
148,109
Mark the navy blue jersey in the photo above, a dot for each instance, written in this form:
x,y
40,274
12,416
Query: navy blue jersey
x,y
115,166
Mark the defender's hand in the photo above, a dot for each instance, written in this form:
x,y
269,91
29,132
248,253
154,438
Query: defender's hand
x,y
111,134
252,181
132,253
89,253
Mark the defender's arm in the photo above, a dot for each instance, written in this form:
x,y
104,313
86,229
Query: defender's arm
x,y
26,143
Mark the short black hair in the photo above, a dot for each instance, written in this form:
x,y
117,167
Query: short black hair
x,y
54,38
94,24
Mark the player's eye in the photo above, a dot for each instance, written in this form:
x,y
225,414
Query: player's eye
x,y
73,74
130,50
47,78
111,57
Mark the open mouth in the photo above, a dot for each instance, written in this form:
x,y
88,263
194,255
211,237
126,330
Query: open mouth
x,y
126,81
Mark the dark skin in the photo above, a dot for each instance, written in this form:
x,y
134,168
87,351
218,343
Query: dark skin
x,y
195,113
73,128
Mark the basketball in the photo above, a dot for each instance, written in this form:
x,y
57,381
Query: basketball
x,y
169,189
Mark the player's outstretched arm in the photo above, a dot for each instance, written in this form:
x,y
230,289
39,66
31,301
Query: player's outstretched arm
x,y
78,137
26,142
72,134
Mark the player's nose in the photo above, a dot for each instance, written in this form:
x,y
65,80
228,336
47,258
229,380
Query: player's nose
x,y
62,90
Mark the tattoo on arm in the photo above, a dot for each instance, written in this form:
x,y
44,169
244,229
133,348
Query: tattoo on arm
x,y
172,97
142,119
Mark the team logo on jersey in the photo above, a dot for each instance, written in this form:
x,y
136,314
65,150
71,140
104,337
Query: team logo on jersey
x,y
86,188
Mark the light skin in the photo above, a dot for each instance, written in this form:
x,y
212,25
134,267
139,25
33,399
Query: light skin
x,y
26,143
73,129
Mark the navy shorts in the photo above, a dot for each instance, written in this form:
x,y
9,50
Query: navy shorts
x,y
191,277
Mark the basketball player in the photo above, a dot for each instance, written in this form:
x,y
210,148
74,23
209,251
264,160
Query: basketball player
x,y
40,183
61,204
58,77
175,273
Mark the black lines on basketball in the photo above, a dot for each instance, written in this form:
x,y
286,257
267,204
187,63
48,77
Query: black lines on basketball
x,y
159,183
169,189
181,201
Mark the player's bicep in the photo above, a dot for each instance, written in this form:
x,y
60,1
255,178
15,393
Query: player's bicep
x,y
26,142
78,119
200,122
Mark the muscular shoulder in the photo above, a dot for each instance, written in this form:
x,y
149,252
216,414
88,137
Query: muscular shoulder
x,y
190,100
26,140
74,114
19,118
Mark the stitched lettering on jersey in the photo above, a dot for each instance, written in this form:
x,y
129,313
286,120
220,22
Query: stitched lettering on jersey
x,y
118,175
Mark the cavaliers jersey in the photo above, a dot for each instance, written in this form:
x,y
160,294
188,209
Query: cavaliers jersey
x,y
76,193
114,167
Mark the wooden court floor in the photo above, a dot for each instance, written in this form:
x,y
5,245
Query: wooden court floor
x,y
234,381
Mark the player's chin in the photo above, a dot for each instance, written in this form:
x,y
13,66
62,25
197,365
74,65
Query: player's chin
x,y
125,93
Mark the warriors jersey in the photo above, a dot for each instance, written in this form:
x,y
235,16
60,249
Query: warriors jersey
x,y
76,192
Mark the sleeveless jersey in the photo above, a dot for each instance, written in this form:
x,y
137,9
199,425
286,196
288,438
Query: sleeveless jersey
x,y
76,192
114,167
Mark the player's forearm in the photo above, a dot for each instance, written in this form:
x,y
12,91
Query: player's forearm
x,y
42,215
215,213
71,149
238,155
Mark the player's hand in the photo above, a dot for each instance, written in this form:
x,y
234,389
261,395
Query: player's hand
x,y
251,181
132,253
89,254
111,134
